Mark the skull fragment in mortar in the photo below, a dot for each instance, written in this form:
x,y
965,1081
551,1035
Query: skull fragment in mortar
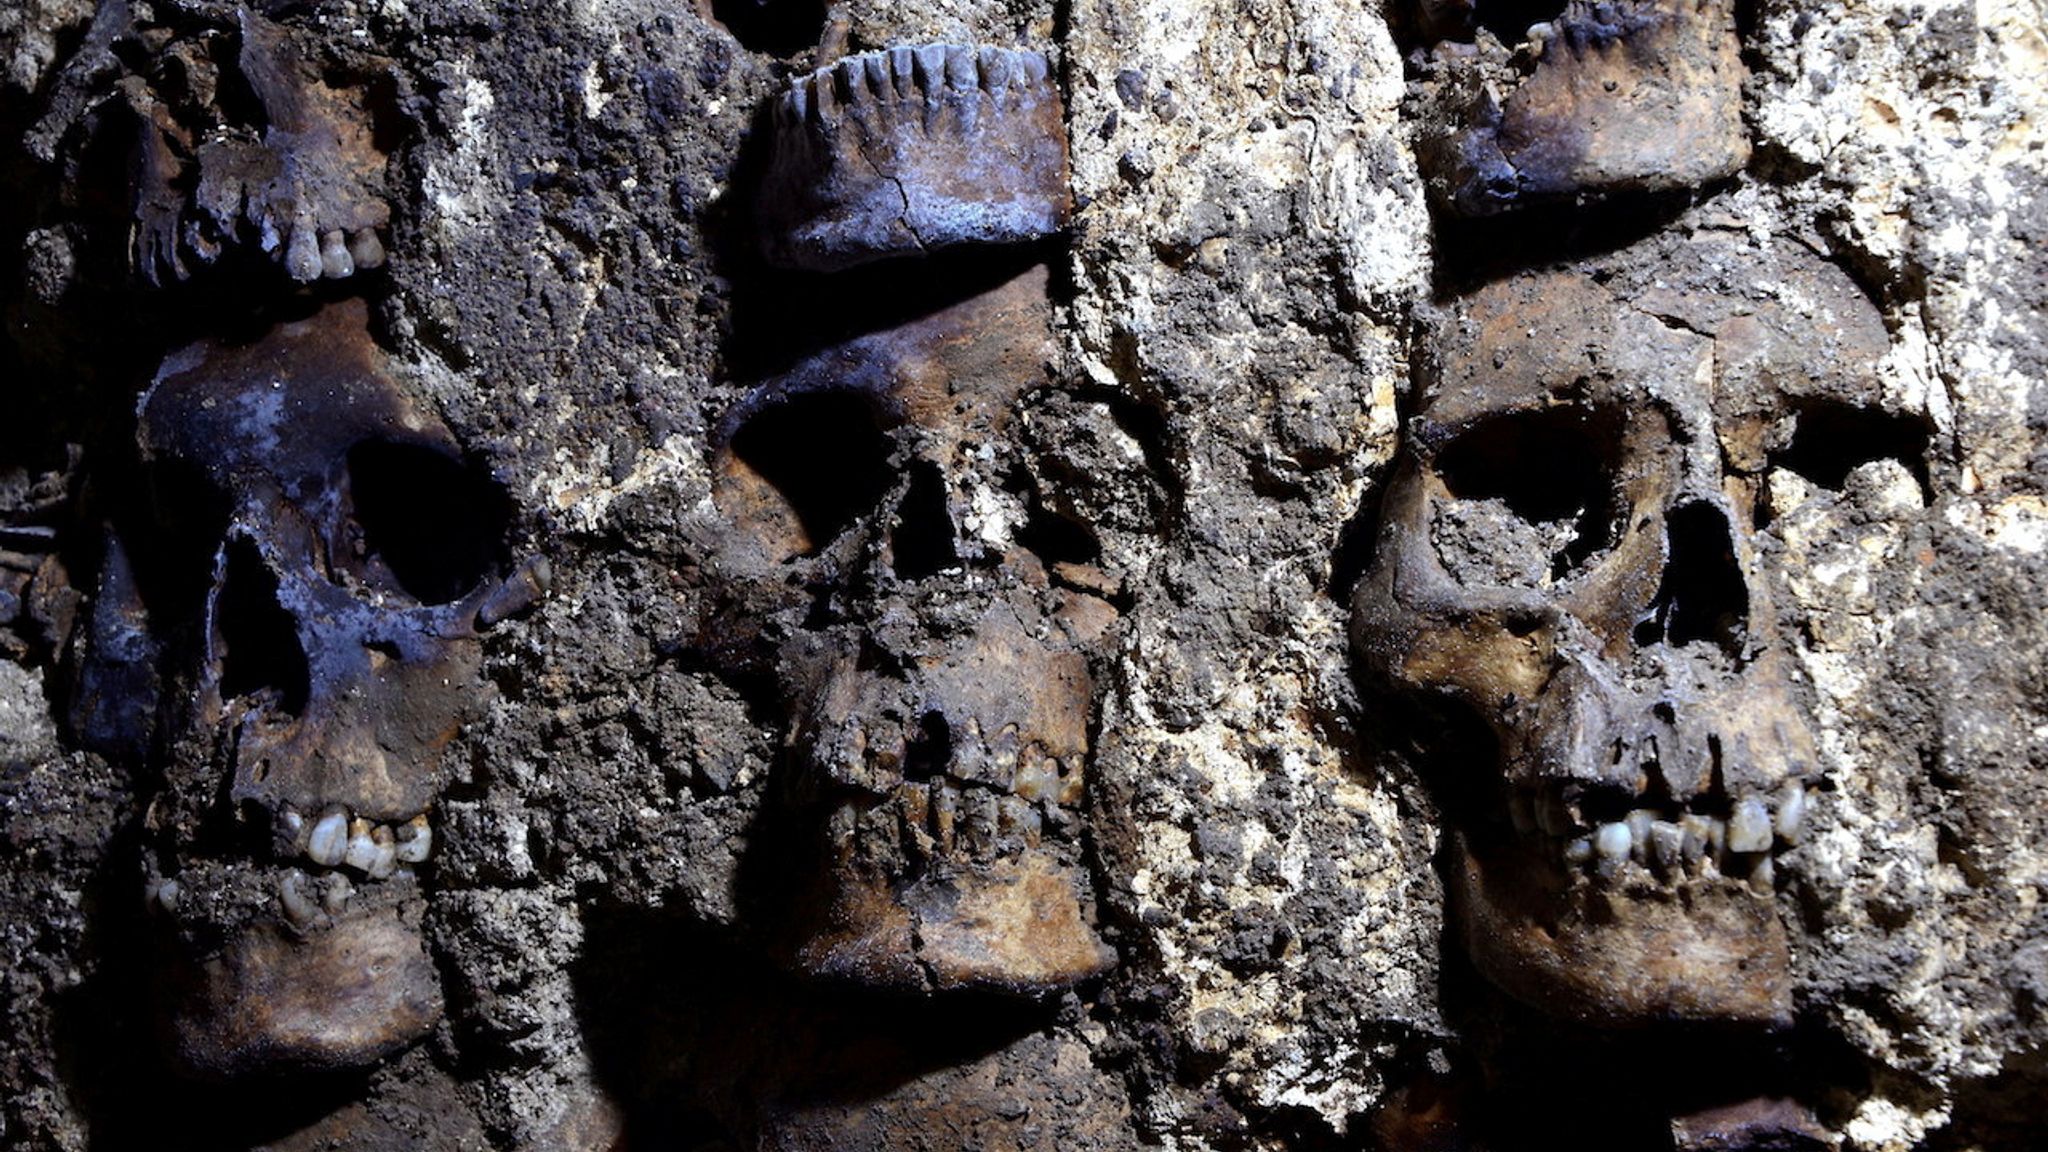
x,y
321,563
1571,576
929,624
908,150
1610,95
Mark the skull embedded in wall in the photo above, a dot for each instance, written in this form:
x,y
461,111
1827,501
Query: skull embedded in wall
x,y
321,564
928,622
1630,95
1572,574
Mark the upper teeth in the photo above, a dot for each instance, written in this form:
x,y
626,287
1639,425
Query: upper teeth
x,y
1687,842
376,850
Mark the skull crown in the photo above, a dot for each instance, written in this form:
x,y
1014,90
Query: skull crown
x,y
1570,576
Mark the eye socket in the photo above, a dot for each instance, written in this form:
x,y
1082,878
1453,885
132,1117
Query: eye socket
x,y
1533,497
827,458
434,522
1831,439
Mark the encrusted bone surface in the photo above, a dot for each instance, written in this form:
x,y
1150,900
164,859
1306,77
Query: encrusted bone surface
x,y
340,995
317,628
1643,95
1568,566
938,739
907,150
305,186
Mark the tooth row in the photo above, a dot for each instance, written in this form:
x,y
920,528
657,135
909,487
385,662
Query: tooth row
x,y
376,850
904,73
334,254
1691,844
1754,825
940,818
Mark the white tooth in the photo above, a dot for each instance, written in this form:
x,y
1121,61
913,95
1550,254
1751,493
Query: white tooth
x,y
1764,876
1578,850
335,262
1667,844
1749,829
1697,829
291,896
362,851
383,853
294,826
415,840
1639,822
1612,840
163,894
328,842
1791,819
334,892
1717,837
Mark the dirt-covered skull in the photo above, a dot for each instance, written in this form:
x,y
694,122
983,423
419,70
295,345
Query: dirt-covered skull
x,y
928,619
322,562
1571,579
1604,95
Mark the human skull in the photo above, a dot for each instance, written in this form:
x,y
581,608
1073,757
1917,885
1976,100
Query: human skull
x,y
1570,574
321,568
1611,95
931,650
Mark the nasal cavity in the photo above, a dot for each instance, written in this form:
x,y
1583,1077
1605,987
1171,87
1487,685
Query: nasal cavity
x,y
1703,598
931,748
256,640
921,544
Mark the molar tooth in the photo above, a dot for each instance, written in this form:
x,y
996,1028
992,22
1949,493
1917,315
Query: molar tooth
x,y
1698,831
366,249
931,66
1764,877
361,851
1639,822
383,852
1667,846
163,894
334,893
293,826
302,255
1578,850
335,261
327,844
415,840
960,68
291,896
1612,841
1791,818
1749,829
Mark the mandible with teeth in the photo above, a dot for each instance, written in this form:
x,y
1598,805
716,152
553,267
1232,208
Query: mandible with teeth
x,y
1568,576
313,586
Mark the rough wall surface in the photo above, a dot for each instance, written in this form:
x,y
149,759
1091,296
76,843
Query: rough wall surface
x,y
570,281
